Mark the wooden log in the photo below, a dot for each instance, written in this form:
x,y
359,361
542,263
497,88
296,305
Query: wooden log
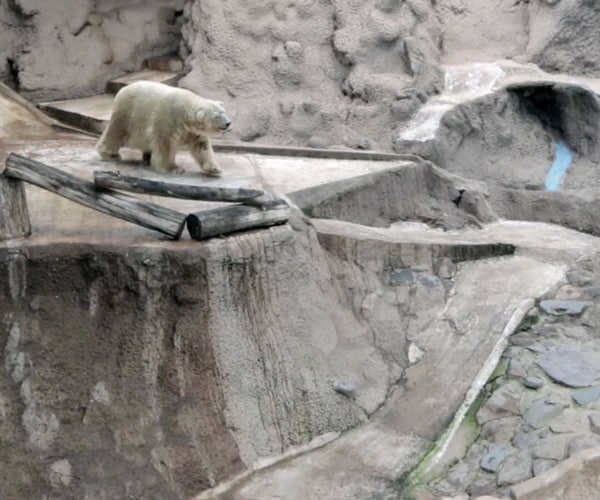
x,y
224,220
14,216
167,221
116,180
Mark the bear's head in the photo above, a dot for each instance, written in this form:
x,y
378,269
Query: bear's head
x,y
208,118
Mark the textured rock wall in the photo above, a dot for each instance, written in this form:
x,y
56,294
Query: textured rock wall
x,y
348,73
314,72
69,48
564,35
158,373
310,72
483,30
507,138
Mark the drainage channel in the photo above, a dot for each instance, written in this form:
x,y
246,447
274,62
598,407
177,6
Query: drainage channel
x,y
562,161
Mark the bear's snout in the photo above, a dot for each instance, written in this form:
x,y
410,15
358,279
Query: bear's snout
x,y
224,121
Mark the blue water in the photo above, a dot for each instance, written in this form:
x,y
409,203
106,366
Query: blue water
x,y
562,161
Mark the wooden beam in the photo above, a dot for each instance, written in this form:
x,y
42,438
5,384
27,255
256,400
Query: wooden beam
x,y
150,215
14,216
299,152
224,220
160,187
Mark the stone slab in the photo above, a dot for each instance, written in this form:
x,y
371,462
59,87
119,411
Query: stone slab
x,y
165,63
576,477
571,367
86,113
152,75
495,457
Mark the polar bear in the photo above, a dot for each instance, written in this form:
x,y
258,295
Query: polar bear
x,y
160,120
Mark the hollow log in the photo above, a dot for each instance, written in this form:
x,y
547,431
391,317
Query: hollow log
x,y
14,216
116,180
150,215
224,220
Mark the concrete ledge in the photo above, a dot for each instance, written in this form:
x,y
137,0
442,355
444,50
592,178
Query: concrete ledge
x,y
87,113
152,75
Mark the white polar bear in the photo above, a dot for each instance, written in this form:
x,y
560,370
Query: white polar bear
x,y
160,120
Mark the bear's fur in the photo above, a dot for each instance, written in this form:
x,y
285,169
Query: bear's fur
x,y
160,120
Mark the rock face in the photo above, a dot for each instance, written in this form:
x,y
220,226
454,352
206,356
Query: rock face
x,y
69,48
558,28
507,136
470,35
317,73
350,72
131,380
314,73
421,192
512,130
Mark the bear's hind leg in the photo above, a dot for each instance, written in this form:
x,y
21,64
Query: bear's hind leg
x,y
147,157
203,153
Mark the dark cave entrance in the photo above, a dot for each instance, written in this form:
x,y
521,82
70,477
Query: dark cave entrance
x,y
567,112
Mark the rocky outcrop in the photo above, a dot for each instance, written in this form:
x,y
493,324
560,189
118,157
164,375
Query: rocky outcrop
x,y
69,48
322,74
314,73
171,370
482,30
417,191
508,139
563,36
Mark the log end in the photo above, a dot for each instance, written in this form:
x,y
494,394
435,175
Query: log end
x,y
194,226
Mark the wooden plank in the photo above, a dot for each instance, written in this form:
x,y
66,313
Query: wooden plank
x,y
14,216
150,215
116,180
224,220
334,154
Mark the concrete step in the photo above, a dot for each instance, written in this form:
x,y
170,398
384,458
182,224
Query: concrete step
x,y
116,84
165,63
87,113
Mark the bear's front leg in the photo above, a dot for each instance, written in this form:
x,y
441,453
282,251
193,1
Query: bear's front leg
x,y
162,158
111,141
202,151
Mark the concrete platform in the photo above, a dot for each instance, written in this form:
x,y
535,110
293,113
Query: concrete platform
x,y
165,63
153,75
92,113
62,220
87,113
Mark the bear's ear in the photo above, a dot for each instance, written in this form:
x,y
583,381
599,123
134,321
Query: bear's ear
x,y
221,103
199,116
